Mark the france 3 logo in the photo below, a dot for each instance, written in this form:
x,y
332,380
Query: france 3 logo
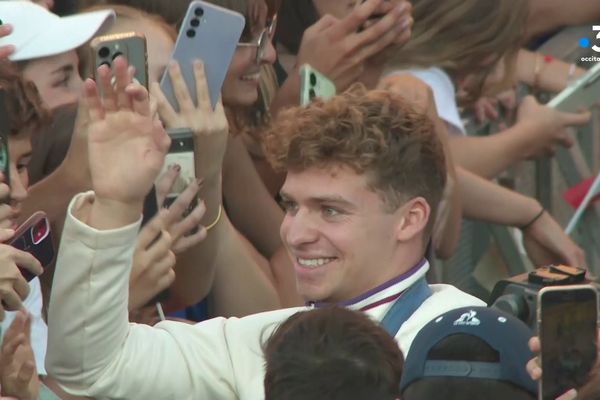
x,y
585,42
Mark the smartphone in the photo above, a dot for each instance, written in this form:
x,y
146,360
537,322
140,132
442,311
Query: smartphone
x,y
33,236
567,327
4,132
314,84
581,94
181,152
130,45
209,33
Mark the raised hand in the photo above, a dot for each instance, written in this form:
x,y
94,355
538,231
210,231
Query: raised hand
x,y
210,127
339,48
18,375
126,146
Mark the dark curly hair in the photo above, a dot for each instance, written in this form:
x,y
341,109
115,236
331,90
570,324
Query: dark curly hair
x,y
376,133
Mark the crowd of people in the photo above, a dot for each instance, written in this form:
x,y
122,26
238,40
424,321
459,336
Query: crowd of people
x,y
298,265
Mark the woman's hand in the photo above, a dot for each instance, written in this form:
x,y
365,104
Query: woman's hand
x,y
18,375
210,127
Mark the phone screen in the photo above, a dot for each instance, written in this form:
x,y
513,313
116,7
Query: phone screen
x,y
568,331
182,154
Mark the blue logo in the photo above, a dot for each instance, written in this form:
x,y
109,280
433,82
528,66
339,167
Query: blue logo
x,y
584,43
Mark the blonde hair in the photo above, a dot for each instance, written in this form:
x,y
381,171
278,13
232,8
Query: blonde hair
x,y
458,36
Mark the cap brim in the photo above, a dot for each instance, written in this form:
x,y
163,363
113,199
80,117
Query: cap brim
x,y
65,34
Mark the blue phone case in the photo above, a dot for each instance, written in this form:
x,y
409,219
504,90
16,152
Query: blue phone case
x,y
209,33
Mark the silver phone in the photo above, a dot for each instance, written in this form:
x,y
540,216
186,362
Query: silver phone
x,y
209,33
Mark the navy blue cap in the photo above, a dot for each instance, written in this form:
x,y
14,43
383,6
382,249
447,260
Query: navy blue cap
x,y
503,332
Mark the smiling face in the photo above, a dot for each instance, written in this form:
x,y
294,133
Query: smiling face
x,y
56,78
240,87
19,154
338,233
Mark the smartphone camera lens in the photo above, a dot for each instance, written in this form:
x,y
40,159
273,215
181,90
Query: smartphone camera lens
x,y
199,12
195,22
117,54
312,94
313,79
103,52
39,232
190,33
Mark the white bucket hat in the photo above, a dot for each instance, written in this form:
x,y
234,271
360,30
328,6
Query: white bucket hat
x,y
39,33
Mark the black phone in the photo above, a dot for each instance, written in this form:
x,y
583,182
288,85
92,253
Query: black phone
x,y
33,236
567,325
4,132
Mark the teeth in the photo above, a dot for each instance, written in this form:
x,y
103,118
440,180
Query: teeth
x,y
253,77
314,262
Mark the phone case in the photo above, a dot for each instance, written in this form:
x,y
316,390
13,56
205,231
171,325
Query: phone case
x,y
581,95
130,45
34,237
181,152
568,334
314,84
4,132
209,33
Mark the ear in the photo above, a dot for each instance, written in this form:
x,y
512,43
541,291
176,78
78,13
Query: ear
x,y
413,219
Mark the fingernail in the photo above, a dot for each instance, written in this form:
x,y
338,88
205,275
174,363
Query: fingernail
x,y
537,371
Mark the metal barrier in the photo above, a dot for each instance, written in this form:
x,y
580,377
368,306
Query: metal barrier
x,y
545,180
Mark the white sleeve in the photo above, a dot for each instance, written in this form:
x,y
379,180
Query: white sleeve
x,y
94,351
444,95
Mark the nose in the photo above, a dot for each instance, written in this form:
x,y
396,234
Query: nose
x,y
18,190
298,230
270,54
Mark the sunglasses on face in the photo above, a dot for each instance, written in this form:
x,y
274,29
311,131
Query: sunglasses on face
x,y
262,41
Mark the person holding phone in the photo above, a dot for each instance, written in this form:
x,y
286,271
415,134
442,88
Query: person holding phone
x,y
24,115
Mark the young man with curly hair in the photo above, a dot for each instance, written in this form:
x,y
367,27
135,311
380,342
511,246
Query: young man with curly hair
x,y
364,175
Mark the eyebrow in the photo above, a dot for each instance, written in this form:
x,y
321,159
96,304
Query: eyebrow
x,y
63,69
332,199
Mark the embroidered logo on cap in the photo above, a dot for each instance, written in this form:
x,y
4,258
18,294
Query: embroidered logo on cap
x,y
468,319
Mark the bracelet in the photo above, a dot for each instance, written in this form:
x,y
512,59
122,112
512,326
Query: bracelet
x,y
216,221
537,216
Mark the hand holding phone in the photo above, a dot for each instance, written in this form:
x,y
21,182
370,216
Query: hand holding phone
x,y
567,325
34,237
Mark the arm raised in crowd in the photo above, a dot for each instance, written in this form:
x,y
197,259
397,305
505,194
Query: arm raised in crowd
x,y
339,48
93,350
222,248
